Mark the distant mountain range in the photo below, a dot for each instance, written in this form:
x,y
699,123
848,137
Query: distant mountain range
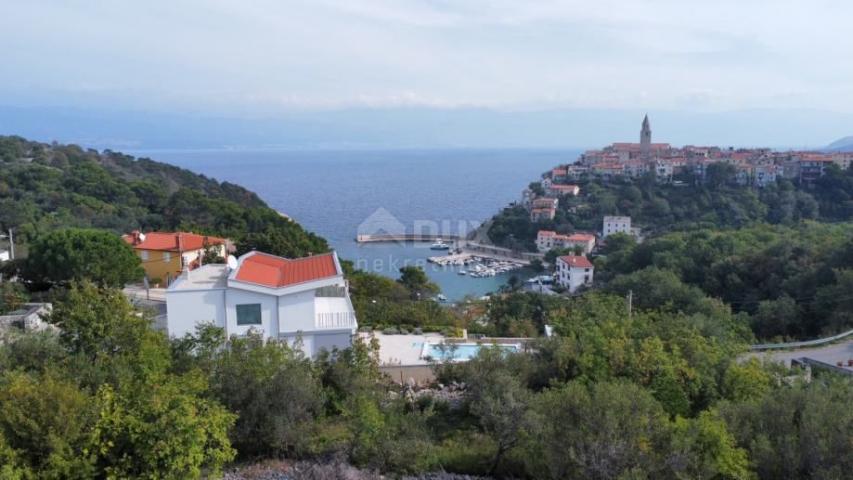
x,y
841,145
382,128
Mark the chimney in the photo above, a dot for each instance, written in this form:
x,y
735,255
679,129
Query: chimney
x,y
134,236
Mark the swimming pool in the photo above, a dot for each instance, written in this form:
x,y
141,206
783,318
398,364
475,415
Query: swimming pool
x,y
458,351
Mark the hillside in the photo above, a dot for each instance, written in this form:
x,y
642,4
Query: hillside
x,y
841,145
660,208
44,187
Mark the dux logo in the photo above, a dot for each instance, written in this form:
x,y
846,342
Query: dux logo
x,y
381,222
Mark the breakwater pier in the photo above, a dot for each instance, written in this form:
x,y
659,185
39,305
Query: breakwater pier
x,y
407,237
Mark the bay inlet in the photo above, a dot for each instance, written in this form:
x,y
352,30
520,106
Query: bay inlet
x,y
338,193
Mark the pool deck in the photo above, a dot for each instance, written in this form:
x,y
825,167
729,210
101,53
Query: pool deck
x,y
396,350
400,355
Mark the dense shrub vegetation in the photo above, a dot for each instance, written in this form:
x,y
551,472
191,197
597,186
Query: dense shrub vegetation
x,y
660,208
794,282
654,394
781,254
654,391
46,187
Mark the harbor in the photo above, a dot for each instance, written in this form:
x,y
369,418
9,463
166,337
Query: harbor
x,y
478,266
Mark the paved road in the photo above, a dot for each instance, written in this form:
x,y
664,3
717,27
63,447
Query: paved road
x,y
838,352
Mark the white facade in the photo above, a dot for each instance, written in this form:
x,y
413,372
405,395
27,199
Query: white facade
x,y
548,240
318,312
574,272
613,225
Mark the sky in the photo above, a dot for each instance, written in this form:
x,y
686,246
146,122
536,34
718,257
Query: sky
x,y
266,59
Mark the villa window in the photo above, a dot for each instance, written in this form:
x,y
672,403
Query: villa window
x,y
249,314
167,257
143,254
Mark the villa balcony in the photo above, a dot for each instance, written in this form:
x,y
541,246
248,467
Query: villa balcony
x,y
331,313
335,320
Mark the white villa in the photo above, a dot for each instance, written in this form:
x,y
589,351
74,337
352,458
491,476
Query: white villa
x,y
282,298
612,225
574,271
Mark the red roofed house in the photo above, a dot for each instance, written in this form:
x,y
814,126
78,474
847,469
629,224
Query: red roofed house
x,y
543,209
164,255
549,240
284,299
574,271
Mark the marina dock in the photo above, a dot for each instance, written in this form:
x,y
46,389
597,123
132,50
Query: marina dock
x,y
407,237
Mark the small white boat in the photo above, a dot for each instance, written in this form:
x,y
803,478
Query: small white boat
x,y
441,298
439,245
462,272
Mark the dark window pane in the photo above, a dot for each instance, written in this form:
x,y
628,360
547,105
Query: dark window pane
x,y
249,314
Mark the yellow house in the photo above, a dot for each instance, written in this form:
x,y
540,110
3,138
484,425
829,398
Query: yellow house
x,y
164,255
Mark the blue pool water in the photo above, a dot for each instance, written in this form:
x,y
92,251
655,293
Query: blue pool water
x,y
464,351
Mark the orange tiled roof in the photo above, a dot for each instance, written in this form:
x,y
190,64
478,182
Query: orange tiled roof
x,y
576,261
581,237
170,241
276,272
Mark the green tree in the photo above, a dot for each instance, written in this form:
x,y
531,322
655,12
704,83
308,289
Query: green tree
x,y
703,448
797,432
45,422
417,283
12,296
776,318
718,174
746,381
502,407
167,431
78,254
276,391
606,430
101,325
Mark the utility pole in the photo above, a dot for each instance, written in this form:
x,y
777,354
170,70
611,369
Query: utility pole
x,y
630,303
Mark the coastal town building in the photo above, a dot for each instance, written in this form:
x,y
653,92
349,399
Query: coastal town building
x,y
548,240
304,301
614,224
557,190
574,272
164,255
543,209
755,167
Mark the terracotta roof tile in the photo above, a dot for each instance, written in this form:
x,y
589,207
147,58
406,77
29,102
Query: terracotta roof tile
x,y
581,237
576,261
276,272
170,241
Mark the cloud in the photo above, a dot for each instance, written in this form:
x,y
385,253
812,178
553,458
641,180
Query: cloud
x,y
266,56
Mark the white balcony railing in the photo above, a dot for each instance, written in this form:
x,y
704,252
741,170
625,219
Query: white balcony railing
x,y
335,320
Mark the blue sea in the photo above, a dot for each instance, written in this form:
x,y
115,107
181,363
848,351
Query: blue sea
x,y
332,193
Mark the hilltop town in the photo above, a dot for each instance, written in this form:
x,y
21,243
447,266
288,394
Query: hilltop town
x,y
667,166
757,167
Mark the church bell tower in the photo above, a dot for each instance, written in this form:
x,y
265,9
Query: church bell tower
x,y
646,137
